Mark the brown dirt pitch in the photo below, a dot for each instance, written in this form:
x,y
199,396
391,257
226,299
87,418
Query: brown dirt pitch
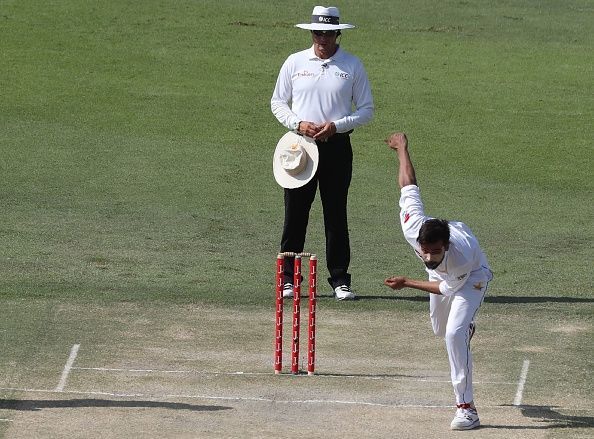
x,y
204,372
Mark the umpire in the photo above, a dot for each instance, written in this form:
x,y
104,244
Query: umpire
x,y
323,93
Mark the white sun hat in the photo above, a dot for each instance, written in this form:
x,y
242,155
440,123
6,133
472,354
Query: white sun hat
x,y
295,160
325,18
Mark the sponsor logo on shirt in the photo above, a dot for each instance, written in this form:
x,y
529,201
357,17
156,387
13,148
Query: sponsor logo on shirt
x,y
462,277
342,75
406,217
304,74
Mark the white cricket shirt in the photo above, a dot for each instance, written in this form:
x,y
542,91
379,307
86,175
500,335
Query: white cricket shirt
x,y
464,256
322,90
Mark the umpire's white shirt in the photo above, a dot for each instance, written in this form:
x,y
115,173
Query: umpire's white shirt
x,y
464,258
322,90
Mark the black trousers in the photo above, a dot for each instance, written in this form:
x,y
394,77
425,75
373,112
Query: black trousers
x,y
333,177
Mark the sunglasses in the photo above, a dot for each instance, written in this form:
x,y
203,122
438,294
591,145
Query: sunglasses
x,y
324,33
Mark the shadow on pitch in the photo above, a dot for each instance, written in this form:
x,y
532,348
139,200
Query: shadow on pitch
x,y
489,299
547,418
369,376
36,405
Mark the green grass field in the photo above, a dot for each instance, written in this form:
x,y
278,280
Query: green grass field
x,y
140,218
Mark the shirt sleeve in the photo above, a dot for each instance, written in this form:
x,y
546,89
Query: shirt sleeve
x,y
362,102
412,213
282,97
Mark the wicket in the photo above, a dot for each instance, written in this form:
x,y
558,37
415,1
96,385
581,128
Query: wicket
x,y
311,324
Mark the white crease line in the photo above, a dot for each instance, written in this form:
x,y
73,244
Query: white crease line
x,y
363,377
6,420
67,368
113,369
74,392
521,383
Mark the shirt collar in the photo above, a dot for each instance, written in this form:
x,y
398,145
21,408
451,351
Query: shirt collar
x,y
313,57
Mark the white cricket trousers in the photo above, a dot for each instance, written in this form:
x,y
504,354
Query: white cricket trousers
x,y
451,317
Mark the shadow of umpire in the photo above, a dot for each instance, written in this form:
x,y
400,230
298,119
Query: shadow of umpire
x,y
36,405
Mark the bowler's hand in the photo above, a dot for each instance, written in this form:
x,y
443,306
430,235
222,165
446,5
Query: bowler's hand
x,y
327,130
397,141
395,282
